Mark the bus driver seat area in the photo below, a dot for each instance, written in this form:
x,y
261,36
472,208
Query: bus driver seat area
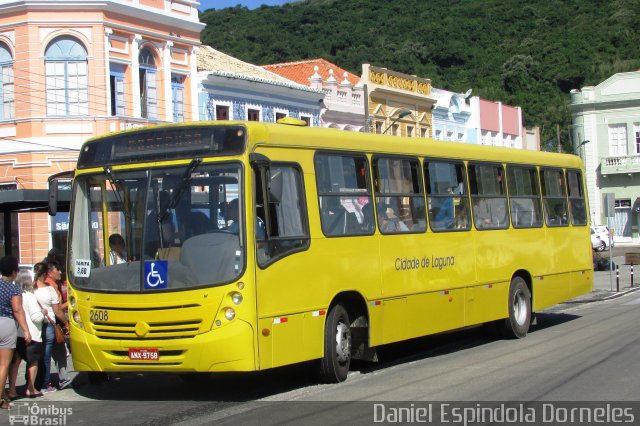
x,y
212,258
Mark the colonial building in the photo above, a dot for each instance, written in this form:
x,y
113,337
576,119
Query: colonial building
x,y
398,104
606,134
451,116
495,124
231,89
74,69
344,100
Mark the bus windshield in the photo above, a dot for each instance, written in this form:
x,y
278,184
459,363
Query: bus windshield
x,y
160,229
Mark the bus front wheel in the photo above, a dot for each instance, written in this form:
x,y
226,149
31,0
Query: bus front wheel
x,y
334,366
517,325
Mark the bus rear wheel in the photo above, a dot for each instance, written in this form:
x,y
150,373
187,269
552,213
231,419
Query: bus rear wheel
x,y
517,325
334,366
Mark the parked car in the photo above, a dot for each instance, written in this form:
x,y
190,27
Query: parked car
x,y
596,242
604,234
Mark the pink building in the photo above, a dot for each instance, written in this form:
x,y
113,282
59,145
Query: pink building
x,y
74,69
496,124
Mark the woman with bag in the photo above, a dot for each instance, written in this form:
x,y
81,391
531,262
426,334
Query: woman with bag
x,y
32,353
10,311
48,298
59,353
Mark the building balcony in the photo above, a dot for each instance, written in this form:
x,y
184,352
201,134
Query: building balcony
x,y
620,164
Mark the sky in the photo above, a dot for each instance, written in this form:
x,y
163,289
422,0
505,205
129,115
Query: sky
x,y
251,4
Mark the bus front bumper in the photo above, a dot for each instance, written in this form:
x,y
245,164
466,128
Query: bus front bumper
x,y
228,348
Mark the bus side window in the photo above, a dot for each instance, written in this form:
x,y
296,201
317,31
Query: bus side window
x,y
554,196
524,196
344,194
489,196
282,227
447,196
399,195
577,203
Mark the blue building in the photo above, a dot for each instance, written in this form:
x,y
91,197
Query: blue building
x,y
230,89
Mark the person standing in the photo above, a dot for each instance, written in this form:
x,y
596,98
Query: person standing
x,y
48,298
10,312
59,352
32,353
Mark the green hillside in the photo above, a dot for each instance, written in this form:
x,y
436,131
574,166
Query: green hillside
x,y
526,53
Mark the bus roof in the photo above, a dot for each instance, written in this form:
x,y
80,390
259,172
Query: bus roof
x,y
288,135
333,139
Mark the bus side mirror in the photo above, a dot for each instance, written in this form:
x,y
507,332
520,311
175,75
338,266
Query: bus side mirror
x,y
53,197
259,160
261,164
54,183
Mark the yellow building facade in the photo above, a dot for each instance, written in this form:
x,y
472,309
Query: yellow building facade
x,y
398,104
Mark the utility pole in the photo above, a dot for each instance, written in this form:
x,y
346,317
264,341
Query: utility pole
x,y
558,137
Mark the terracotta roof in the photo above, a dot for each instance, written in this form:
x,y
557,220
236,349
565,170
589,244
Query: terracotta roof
x,y
301,71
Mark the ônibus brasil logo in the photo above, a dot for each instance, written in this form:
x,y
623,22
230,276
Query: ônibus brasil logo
x,y
36,414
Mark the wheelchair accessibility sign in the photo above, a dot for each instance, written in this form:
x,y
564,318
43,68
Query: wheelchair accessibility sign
x,y
155,274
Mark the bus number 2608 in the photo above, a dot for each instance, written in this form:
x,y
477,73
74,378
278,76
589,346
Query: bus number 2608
x,y
101,315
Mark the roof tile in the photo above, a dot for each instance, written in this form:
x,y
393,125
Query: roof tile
x,y
301,71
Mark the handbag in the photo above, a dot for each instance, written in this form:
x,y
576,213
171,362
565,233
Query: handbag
x,y
57,329
60,338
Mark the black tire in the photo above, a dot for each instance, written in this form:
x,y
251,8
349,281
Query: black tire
x,y
602,246
334,366
517,325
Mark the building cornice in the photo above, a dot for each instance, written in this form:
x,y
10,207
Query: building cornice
x,y
248,78
154,15
592,106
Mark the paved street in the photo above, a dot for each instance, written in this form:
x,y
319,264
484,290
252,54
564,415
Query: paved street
x,y
571,347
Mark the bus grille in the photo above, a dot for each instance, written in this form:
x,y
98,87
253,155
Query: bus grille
x,y
155,330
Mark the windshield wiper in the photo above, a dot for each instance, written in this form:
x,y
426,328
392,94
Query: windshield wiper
x,y
184,183
117,184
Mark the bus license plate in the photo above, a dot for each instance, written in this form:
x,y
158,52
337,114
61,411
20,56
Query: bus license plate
x,y
147,354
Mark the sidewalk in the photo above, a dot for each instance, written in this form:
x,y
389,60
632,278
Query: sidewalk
x,y
606,285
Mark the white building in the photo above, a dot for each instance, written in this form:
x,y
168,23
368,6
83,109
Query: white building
x,y
606,134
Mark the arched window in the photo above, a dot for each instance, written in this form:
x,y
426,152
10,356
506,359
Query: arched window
x,y
148,84
6,83
66,77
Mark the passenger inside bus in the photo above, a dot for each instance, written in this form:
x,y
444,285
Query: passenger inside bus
x,y
117,253
461,219
336,219
233,213
390,222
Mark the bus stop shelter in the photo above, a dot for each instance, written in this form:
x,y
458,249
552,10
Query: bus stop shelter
x,y
23,201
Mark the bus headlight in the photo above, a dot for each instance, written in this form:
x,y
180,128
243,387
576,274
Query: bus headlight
x,y
237,298
72,301
77,319
229,314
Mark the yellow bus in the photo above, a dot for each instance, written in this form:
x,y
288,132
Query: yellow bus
x,y
246,246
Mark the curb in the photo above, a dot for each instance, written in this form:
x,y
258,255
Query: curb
x,y
615,295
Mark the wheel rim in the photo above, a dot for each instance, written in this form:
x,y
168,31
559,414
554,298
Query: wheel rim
x,y
343,342
520,308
